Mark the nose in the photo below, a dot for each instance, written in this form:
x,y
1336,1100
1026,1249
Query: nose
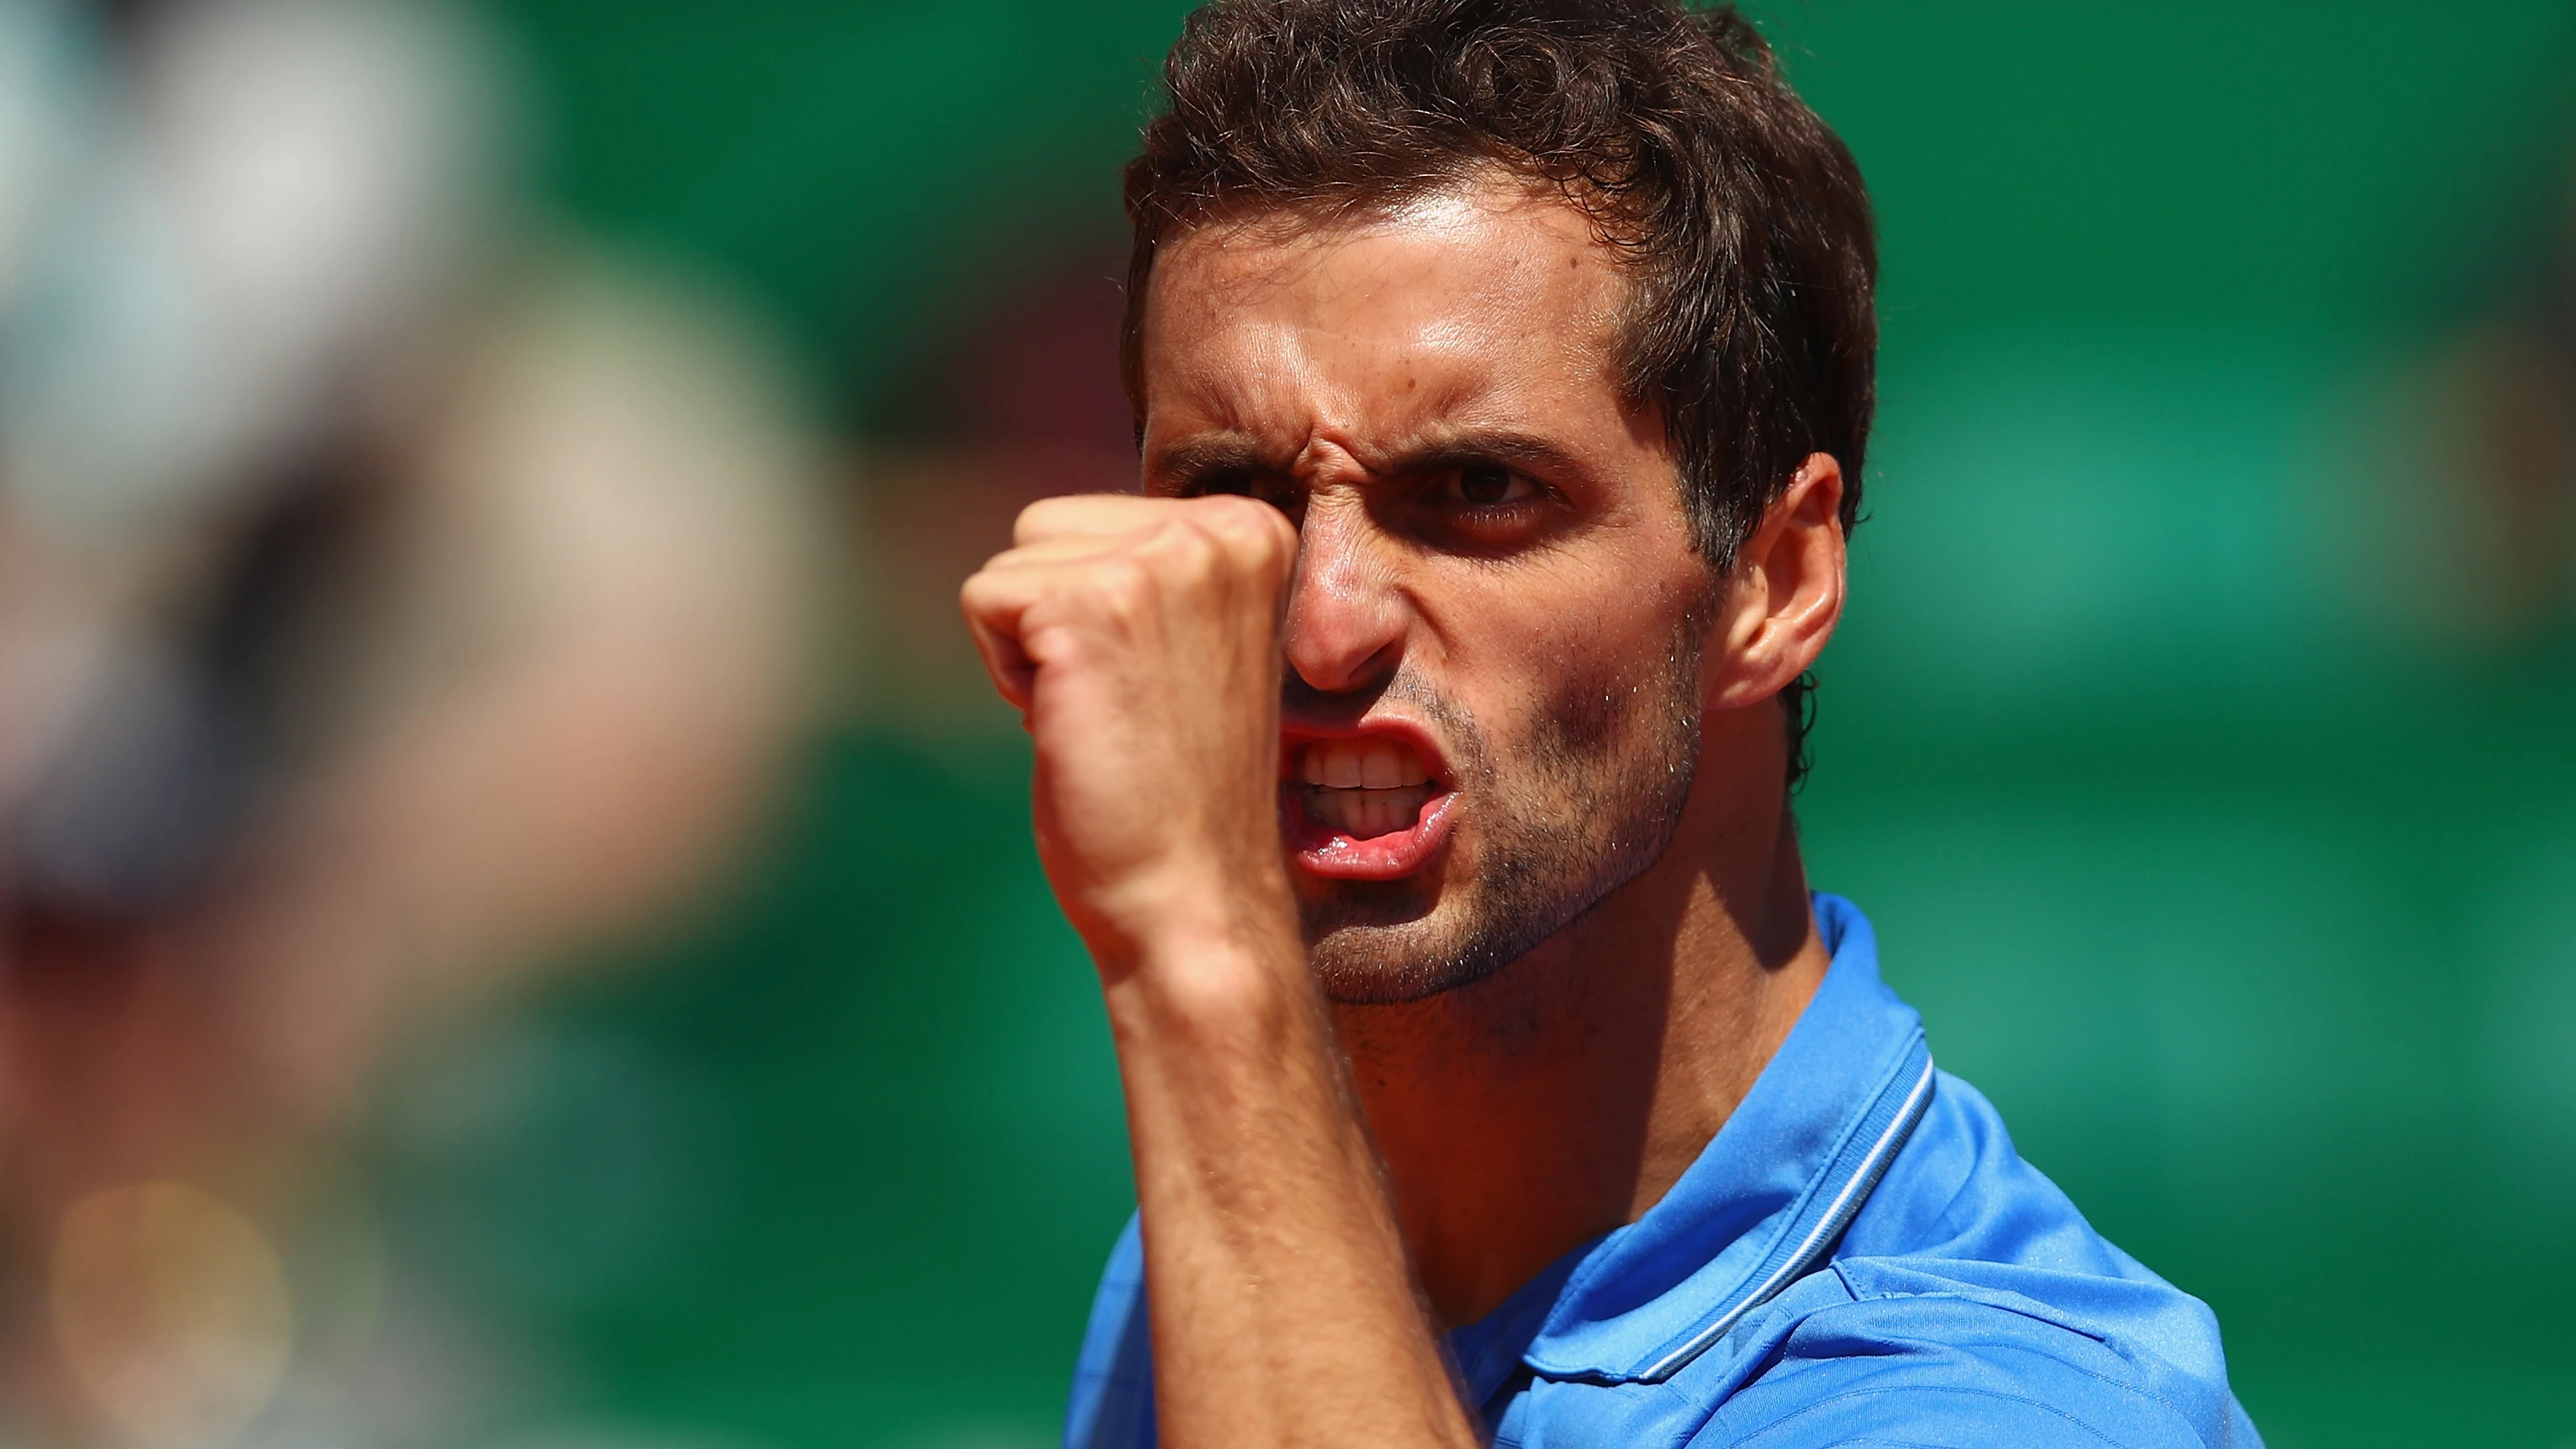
x,y
1346,618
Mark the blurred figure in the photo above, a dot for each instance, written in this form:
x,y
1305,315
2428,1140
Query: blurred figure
x,y
1021,402
2467,447
387,600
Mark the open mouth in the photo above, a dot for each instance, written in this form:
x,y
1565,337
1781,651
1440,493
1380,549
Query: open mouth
x,y
1365,807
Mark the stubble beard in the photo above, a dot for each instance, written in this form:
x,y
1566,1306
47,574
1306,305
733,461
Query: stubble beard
x,y
1588,805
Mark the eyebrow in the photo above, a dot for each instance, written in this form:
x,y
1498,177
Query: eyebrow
x,y
1521,450
1209,455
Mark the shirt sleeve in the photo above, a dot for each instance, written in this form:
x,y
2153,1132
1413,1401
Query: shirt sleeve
x,y
1112,1403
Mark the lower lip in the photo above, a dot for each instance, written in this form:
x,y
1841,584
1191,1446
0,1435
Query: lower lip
x,y
1325,852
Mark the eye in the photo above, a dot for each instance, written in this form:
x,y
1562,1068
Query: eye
x,y
1487,485
1260,483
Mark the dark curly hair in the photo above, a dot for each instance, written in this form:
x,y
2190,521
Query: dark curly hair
x,y
1741,217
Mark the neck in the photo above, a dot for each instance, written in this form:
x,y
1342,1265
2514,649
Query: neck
x,y
1562,1097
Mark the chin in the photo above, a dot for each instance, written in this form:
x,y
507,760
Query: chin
x,y
1386,943
1380,943
1383,962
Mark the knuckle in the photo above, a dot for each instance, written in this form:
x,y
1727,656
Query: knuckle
x,y
1064,513
980,593
1054,644
1260,533
1233,513
1035,521
1123,584
1278,540
1185,547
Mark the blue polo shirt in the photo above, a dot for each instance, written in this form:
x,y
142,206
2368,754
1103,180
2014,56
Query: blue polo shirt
x,y
1858,1257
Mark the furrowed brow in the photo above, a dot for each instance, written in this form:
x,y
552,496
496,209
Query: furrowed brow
x,y
1517,450
1197,460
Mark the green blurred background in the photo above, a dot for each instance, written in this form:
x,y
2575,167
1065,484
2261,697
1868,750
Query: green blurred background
x,y
2202,738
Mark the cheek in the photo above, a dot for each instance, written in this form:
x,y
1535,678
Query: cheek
x,y
1562,671
1584,713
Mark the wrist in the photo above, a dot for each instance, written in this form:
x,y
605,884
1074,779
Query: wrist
x,y
1191,915
1237,972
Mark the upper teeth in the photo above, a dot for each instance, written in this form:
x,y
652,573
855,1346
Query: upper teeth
x,y
1370,764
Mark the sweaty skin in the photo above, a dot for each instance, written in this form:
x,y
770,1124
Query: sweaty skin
x,y
1417,790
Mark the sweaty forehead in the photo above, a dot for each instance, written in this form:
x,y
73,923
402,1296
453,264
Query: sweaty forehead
x,y
1485,303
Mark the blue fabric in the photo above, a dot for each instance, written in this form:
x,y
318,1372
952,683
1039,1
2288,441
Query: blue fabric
x,y
1858,1257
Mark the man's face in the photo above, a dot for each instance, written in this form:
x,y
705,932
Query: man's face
x,y
1490,713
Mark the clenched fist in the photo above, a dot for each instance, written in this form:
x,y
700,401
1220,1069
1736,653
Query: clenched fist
x,y
1140,638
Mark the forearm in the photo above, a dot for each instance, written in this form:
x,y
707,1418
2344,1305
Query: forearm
x,y
1282,1309
1141,636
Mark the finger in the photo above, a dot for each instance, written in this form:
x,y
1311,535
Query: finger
x,y
1259,537
1087,513
995,605
1069,548
1242,530
1257,528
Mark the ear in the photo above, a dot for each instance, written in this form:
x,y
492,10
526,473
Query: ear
x,y
1785,594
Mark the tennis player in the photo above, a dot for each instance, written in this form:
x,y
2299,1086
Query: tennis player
x,y
1415,754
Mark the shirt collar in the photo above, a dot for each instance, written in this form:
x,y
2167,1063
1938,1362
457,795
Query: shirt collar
x,y
1765,1200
